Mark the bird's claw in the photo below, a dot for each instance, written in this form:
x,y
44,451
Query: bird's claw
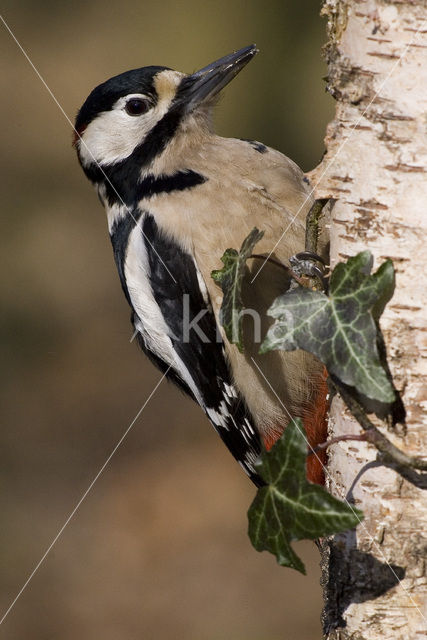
x,y
306,263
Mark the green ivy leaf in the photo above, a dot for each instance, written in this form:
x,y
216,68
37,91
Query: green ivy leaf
x,y
291,508
230,279
340,328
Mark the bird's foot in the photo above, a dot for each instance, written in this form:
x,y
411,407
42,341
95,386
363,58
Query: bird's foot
x,y
311,265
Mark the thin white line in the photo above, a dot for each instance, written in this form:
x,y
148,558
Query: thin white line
x,y
58,535
340,148
137,223
361,523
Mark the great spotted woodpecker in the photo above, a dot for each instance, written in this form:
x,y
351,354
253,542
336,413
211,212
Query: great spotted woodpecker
x,y
176,196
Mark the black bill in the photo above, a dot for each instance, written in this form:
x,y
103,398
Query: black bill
x,y
205,84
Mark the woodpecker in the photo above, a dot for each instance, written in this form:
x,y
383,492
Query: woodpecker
x,y
176,196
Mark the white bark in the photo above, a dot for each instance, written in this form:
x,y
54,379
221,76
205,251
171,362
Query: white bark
x,y
376,169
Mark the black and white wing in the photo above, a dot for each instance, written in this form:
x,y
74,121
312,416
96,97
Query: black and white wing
x,y
177,328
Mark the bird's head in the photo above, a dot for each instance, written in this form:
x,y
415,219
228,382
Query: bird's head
x,y
138,113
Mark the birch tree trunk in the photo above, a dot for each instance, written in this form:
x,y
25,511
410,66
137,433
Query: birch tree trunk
x,y
376,169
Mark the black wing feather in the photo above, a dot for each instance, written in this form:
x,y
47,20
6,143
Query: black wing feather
x,y
203,354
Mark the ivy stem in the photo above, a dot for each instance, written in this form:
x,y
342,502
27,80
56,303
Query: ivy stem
x,y
388,452
364,437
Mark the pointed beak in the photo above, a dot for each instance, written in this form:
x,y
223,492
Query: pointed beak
x,y
203,85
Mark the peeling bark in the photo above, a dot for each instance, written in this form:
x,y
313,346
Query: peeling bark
x,y
376,169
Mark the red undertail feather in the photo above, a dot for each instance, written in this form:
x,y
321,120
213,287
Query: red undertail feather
x,y
316,427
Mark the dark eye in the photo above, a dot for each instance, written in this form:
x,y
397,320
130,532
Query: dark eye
x,y
136,106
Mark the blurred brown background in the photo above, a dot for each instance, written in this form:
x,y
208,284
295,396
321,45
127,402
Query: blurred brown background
x,y
158,549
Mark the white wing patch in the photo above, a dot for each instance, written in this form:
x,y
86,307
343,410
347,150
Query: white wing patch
x,y
218,418
230,391
151,323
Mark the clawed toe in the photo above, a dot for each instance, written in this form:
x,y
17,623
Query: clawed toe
x,y
304,264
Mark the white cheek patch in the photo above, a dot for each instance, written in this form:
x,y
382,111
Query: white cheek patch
x,y
113,135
